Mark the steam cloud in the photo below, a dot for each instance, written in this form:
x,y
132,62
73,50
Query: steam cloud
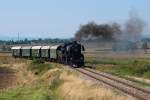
x,y
133,28
130,31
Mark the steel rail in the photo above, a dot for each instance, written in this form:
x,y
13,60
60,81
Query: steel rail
x,y
138,88
112,85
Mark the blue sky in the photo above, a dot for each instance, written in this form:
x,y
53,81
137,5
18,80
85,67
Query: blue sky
x,y
62,18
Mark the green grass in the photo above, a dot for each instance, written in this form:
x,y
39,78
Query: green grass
x,y
138,67
132,67
39,67
54,86
38,90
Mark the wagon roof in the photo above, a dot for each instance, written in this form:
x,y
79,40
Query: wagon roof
x,y
16,47
45,47
54,47
36,47
26,47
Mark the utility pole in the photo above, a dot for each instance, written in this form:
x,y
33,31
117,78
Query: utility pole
x,y
18,36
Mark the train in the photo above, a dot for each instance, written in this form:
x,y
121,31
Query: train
x,y
66,53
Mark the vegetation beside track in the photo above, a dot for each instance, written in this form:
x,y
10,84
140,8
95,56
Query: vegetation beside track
x,y
38,66
49,81
137,67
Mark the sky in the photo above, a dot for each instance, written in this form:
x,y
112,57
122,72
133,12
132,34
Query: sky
x,y
62,18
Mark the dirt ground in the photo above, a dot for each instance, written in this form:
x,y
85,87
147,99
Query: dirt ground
x,y
115,55
7,77
8,74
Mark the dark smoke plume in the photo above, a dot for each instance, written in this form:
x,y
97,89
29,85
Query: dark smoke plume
x,y
132,30
92,30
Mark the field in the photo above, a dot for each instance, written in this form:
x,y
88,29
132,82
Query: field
x,y
133,65
33,80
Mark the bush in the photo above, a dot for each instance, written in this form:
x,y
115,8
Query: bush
x,y
38,66
37,61
147,74
140,70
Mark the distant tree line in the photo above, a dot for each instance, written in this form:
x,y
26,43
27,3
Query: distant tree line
x,y
34,41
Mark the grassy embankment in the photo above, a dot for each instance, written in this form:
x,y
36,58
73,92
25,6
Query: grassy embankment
x,y
123,67
48,81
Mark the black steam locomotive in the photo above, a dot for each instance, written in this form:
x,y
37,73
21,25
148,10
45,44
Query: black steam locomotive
x,y
66,53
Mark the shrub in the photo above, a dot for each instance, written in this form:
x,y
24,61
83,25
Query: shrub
x,y
37,61
141,69
38,66
147,74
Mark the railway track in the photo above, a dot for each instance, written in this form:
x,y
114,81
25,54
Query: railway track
x,y
135,91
